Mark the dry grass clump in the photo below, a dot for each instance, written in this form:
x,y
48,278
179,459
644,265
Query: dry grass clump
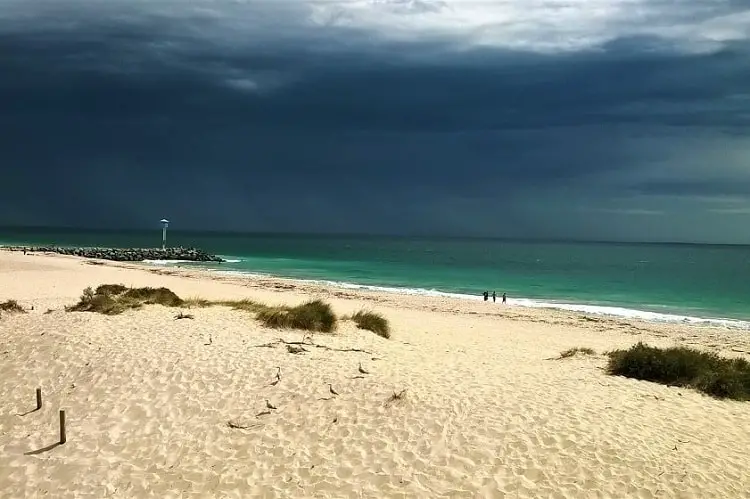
x,y
197,302
102,303
113,299
110,289
12,306
153,296
372,321
576,351
395,398
315,315
687,367
245,305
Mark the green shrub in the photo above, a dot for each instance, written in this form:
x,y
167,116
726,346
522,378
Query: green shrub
x,y
315,315
686,367
372,321
113,299
153,296
110,289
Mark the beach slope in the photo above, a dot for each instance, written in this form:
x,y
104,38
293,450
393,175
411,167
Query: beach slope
x,y
466,399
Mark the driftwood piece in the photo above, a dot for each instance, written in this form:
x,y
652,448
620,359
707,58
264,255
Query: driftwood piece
x,y
295,349
299,346
239,426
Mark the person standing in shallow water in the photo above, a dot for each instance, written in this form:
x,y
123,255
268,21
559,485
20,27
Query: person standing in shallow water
x,y
494,297
486,295
504,298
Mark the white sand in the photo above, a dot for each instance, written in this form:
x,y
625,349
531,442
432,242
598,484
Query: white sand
x,y
485,413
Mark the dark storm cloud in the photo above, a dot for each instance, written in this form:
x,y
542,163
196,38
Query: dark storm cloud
x,y
283,116
707,187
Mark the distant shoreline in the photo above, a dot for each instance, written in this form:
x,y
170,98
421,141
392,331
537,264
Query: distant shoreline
x,y
612,312
674,285
606,311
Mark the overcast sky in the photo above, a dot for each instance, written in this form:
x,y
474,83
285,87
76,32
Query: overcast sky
x,y
593,119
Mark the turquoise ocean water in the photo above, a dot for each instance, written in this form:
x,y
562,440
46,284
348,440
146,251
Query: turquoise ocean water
x,y
674,282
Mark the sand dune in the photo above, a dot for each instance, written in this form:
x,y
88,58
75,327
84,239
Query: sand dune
x,y
486,409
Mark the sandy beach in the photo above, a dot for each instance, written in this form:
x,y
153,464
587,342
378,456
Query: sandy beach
x,y
158,407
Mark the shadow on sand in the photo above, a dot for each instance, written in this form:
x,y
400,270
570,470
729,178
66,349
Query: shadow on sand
x,y
28,412
42,450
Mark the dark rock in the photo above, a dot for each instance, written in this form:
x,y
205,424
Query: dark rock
x,y
129,254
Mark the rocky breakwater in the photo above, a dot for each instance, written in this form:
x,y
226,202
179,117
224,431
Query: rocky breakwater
x,y
129,254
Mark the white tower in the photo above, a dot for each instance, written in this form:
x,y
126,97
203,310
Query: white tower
x,y
164,225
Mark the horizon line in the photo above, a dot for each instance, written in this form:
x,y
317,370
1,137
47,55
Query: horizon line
x,y
539,240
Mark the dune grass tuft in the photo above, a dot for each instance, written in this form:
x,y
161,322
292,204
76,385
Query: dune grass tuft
x,y
103,303
576,351
153,296
113,299
315,315
372,321
12,306
245,305
110,289
197,302
686,367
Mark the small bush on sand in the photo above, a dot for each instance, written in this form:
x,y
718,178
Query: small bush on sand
x,y
374,322
113,299
576,351
110,289
12,306
153,296
686,367
90,301
315,315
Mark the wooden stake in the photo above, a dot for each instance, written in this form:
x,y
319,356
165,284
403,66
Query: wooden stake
x,y
63,437
38,398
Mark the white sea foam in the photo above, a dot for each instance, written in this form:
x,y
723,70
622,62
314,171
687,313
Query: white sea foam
x,y
601,310
629,313
175,262
166,262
